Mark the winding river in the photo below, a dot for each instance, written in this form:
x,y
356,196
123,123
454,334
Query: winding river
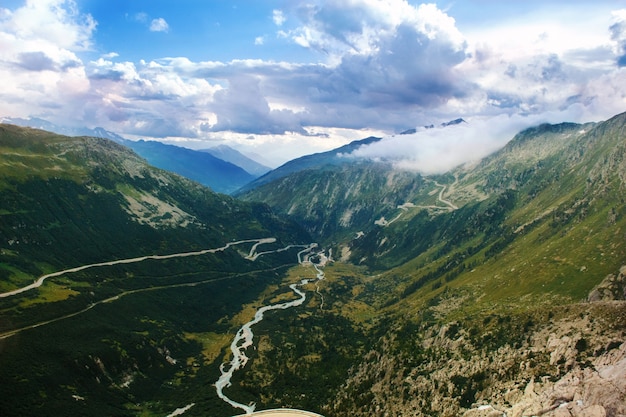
x,y
243,338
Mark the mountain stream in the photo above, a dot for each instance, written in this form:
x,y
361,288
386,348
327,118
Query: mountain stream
x,y
243,338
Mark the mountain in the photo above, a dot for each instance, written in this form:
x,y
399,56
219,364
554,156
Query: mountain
x,y
42,124
109,200
96,338
478,280
339,200
228,154
432,126
219,175
308,162
492,289
207,169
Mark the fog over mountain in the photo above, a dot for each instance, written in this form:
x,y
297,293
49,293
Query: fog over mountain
x,y
439,149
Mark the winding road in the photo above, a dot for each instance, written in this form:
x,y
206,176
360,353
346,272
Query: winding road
x,y
243,338
447,205
39,281
252,255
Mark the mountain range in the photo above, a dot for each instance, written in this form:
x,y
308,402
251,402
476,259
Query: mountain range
x,y
492,289
219,175
221,168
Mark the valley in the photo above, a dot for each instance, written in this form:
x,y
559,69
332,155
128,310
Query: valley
x,y
494,289
244,336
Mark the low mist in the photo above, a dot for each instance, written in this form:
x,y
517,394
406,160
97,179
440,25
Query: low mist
x,y
440,149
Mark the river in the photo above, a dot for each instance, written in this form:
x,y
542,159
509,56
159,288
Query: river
x,y
244,336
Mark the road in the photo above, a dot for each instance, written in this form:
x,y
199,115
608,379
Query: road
x,y
447,205
243,338
39,281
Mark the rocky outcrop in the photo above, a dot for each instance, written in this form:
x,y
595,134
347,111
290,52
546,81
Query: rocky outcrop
x,y
595,390
613,287
572,363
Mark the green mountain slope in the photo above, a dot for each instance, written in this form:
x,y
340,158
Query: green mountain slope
x,y
480,276
335,201
495,288
222,175
81,199
102,340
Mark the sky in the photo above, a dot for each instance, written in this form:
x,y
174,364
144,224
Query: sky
x,y
284,78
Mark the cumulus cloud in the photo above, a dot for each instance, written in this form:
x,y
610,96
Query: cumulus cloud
x,y
278,17
383,65
39,65
243,108
35,61
159,25
51,22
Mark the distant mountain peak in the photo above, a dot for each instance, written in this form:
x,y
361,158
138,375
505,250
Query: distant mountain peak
x,y
453,122
412,131
233,156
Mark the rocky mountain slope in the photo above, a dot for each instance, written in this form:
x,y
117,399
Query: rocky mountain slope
x,y
480,276
494,289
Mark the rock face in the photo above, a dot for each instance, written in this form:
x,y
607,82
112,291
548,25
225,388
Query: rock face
x,y
613,287
598,390
570,364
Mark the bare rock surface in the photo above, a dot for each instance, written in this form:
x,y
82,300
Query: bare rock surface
x,y
613,287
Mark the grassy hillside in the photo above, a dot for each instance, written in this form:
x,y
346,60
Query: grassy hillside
x,y
450,295
483,266
68,201
125,339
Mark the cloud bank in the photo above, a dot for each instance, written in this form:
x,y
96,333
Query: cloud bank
x,y
436,150
382,66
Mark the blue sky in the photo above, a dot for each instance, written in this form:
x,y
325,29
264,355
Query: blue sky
x,y
282,78
219,30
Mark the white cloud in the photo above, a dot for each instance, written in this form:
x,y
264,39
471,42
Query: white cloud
x,y
259,40
141,17
159,25
278,17
39,66
50,22
437,150
384,65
